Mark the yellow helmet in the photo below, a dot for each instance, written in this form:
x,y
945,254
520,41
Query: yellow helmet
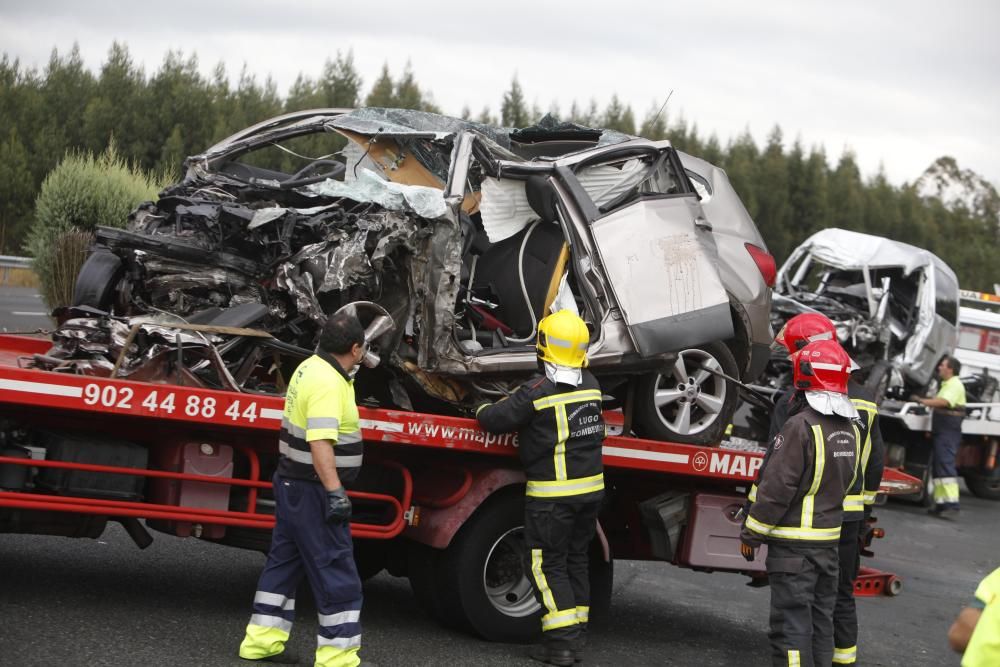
x,y
563,339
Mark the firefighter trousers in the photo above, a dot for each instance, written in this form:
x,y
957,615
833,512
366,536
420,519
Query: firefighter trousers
x,y
557,536
303,544
845,613
803,582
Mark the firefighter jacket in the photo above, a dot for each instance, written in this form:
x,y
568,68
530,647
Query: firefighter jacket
x,y
870,457
560,433
800,497
319,405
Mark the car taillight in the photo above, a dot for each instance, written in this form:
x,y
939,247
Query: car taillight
x,y
764,262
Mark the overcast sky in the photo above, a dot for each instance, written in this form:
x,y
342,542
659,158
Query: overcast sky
x,y
900,82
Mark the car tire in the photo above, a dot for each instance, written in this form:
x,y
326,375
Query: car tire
x,y
709,401
96,282
982,486
878,379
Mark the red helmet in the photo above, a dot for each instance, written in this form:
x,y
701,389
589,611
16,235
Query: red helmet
x,y
804,329
822,365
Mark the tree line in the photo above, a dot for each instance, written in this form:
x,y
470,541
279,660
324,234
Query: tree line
x,y
156,120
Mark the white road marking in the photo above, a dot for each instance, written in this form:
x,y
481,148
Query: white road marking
x,y
27,313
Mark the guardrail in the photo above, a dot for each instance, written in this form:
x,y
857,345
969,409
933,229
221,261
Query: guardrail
x,y
12,262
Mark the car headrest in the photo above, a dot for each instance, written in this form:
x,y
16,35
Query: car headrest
x,y
541,197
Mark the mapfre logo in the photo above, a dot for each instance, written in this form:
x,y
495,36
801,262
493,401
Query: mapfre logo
x,y
730,465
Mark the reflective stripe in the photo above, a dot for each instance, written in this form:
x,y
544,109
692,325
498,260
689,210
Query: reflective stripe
x,y
348,438
296,455
559,619
583,614
482,407
569,487
946,490
858,467
569,397
752,496
864,404
845,656
349,461
828,367
268,621
339,642
793,659
792,532
275,600
758,527
562,342
854,503
327,620
809,502
813,534
869,497
297,431
540,582
562,435
313,423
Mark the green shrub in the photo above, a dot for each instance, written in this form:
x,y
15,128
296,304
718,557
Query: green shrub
x,y
81,193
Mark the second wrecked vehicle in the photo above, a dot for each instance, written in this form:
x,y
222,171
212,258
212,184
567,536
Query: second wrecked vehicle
x,y
895,306
465,236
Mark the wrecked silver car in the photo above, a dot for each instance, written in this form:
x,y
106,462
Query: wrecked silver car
x,y
895,306
464,236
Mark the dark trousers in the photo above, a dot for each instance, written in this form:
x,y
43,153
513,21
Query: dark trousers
x,y
845,613
803,583
304,544
558,536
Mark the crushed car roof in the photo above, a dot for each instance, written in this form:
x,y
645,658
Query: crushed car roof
x,y
844,249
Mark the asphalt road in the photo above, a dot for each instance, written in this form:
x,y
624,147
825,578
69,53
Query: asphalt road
x,y
185,602
22,310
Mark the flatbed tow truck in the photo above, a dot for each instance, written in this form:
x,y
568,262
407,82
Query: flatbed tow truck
x,y
439,501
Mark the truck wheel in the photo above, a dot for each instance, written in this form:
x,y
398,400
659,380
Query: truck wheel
x,y
689,404
483,573
983,486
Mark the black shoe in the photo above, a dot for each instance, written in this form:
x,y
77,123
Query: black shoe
x,y
284,658
561,657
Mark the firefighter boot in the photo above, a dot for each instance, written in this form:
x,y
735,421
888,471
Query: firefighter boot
x,y
561,657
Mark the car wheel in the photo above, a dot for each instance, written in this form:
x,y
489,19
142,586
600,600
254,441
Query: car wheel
x,y
878,379
689,403
95,284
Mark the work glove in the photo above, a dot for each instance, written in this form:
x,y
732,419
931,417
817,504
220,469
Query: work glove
x,y
747,551
338,506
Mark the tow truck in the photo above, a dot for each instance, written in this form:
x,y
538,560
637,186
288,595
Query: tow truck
x,y
439,501
906,425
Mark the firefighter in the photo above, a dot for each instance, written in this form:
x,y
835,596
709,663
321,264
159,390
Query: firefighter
x,y
798,505
560,434
796,334
946,427
320,452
